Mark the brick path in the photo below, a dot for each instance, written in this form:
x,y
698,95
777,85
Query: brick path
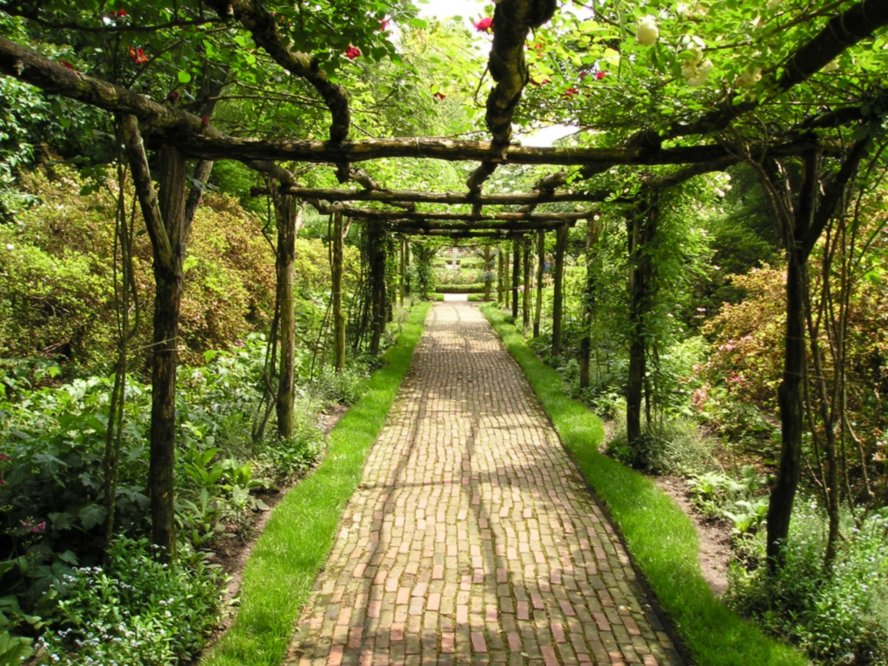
x,y
472,538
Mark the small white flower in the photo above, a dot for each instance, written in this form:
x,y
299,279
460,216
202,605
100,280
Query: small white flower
x,y
10,246
749,78
647,32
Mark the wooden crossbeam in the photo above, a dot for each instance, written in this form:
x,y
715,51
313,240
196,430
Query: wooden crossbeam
x,y
440,197
368,214
479,225
459,233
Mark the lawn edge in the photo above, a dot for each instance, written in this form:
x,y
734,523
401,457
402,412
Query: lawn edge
x,y
661,540
279,574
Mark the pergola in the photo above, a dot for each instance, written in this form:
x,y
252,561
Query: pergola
x,y
179,135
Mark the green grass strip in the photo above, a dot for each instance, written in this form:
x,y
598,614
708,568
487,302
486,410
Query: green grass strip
x,y
294,545
661,539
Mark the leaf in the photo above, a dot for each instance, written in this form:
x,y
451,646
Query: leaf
x,y
91,515
183,76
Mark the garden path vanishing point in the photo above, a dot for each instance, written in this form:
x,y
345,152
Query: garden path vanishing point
x,y
472,537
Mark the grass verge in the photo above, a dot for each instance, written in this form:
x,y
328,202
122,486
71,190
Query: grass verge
x,y
279,574
661,539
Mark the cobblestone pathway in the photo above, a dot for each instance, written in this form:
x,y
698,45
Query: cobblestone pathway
x,y
472,538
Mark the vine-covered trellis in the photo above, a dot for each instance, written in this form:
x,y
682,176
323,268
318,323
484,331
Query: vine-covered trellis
x,y
177,135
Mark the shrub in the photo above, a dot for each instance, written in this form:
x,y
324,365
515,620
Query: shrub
x,y
56,287
837,615
135,610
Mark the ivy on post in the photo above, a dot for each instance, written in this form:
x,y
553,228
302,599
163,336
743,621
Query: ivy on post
x,y
376,256
336,266
558,288
540,266
593,229
516,274
525,300
642,228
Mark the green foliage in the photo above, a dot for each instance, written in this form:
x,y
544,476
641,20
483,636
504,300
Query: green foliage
x,y
740,501
295,543
837,615
56,293
422,274
342,388
134,610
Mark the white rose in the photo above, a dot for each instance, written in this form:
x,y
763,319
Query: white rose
x,y
647,32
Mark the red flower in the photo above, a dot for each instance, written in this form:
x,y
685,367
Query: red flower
x,y
352,52
600,75
39,527
570,92
439,95
173,97
120,13
68,65
138,56
484,25
383,24
204,120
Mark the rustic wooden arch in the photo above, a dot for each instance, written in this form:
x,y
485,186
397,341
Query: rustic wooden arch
x,y
180,134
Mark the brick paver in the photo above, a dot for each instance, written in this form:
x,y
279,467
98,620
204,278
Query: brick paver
x,y
472,538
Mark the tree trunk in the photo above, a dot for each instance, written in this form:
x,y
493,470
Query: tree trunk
x,y
402,273
525,300
642,229
516,276
789,397
500,278
541,264
558,288
592,231
336,275
376,256
286,211
168,279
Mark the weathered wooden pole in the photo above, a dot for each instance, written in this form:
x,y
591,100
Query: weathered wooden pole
x,y
525,301
541,265
592,232
642,228
168,220
516,275
500,277
336,260
558,288
402,272
287,211
376,257
487,254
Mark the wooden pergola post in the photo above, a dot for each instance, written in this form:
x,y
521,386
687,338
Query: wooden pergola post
x,y
376,259
286,211
402,272
336,269
558,295
500,277
642,226
525,301
592,231
516,274
541,264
